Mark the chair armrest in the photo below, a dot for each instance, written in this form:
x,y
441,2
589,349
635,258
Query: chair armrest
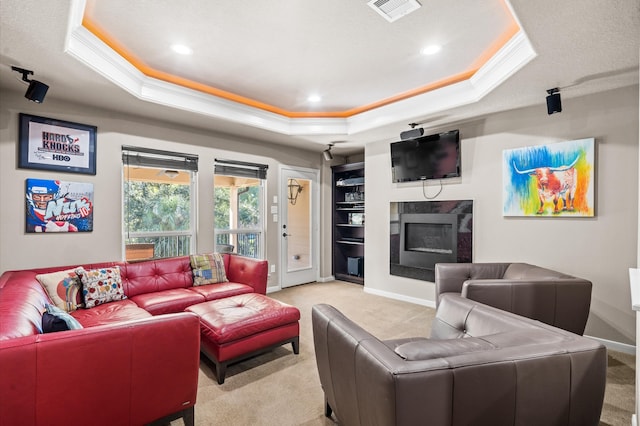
x,y
451,276
249,271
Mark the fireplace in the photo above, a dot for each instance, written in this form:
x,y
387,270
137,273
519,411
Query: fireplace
x,y
428,238
424,233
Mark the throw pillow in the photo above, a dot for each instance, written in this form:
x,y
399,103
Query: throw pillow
x,y
100,285
55,319
208,269
64,289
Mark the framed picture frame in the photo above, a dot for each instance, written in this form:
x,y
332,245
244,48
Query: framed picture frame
x,y
58,206
57,145
551,180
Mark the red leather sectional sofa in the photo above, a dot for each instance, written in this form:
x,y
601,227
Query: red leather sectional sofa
x,y
134,362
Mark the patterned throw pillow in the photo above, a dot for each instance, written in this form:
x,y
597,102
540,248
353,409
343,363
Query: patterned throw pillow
x,y
55,319
208,269
100,285
64,289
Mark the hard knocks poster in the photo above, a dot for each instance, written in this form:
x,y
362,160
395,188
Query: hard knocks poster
x,y
58,206
50,144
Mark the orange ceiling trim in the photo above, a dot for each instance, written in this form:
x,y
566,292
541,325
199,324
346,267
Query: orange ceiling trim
x,y
121,50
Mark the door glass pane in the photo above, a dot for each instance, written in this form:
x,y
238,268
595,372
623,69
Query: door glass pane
x,y
298,224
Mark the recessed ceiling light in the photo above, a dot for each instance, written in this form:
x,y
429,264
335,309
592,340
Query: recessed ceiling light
x,y
314,98
430,50
182,49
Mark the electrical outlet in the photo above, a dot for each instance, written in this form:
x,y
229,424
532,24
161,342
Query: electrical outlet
x,y
273,269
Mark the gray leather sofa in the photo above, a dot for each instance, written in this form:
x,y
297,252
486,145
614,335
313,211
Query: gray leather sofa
x,y
542,294
481,366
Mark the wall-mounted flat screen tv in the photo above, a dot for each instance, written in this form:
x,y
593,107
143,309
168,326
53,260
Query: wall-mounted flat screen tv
x,y
434,156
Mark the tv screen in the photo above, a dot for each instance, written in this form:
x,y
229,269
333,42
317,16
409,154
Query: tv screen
x,y
427,157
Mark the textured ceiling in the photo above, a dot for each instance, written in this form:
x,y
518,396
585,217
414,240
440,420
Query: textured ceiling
x,y
278,53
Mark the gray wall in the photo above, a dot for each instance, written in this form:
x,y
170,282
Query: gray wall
x,y
600,249
19,250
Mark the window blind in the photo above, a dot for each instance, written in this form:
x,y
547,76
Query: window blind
x,y
148,157
240,169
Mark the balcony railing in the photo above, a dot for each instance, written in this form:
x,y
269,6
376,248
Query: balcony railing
x,y
163,246
243,243
139,247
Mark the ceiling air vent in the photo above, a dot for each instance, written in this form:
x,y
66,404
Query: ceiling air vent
x,y
392,10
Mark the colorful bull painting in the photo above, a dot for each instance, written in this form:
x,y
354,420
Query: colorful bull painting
x,y
549,180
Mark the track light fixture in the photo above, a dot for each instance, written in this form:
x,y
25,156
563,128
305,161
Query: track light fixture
x,y
36,90
328,156
553,101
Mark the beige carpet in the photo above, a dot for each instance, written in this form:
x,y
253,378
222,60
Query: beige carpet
x,y
280,388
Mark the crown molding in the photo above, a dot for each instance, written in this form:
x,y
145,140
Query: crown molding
x,y
93,53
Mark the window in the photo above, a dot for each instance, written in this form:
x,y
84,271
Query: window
x,y
159,203
238,213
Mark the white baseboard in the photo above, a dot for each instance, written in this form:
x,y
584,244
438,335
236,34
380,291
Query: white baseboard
x,y
615,346
326,279
414,300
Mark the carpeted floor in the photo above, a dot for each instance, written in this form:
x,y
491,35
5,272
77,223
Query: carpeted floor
x,y
280,388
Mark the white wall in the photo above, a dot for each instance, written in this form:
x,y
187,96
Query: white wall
x,y
601,249
19,250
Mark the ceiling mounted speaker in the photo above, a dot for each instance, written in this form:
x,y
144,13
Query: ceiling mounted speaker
x,y
554,104
413,133
36,91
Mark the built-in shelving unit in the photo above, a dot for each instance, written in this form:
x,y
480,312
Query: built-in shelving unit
x,y
348,222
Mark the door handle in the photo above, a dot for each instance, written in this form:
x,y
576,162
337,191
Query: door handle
x,y
284,234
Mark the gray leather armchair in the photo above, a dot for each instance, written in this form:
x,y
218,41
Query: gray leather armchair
x,y
481,366
542,294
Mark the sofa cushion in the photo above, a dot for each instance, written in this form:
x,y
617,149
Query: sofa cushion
x,y
221,290
156,275
64,288
109,313
101,285
208,268
56,319
168,301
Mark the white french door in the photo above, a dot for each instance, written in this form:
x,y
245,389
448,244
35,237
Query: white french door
x,y
299,225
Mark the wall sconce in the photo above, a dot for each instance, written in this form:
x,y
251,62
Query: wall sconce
x,y
294,189
36,90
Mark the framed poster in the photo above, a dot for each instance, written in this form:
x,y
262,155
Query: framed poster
x,y
551,180
49,144
59,206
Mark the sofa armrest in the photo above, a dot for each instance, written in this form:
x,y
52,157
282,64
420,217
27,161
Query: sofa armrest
x,y
451,276
249,271
145,369
561,302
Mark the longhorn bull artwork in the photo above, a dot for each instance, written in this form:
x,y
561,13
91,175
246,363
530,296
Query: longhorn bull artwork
x,y
557,184
554,179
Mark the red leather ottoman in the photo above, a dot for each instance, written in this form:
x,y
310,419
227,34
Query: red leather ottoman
x,y
239,327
